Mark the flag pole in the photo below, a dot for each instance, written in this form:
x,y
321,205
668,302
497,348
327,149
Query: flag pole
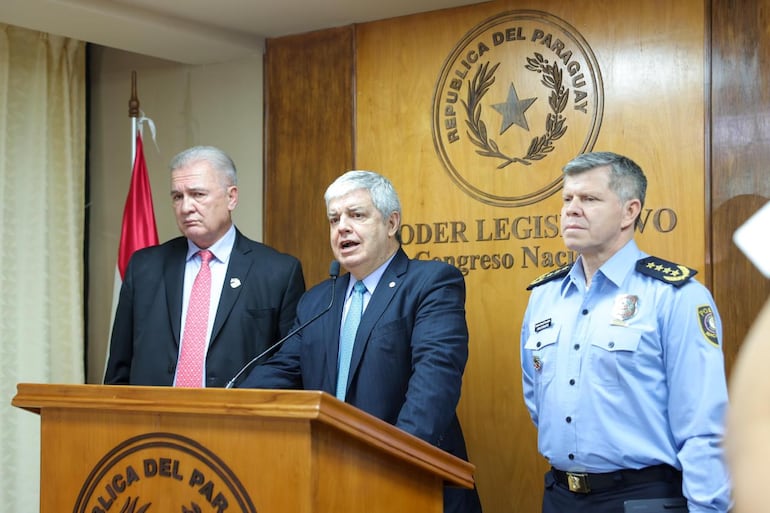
x,y
138,228
133,113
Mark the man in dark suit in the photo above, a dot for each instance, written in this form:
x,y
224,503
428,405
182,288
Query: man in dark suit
x,y
411,345
254,289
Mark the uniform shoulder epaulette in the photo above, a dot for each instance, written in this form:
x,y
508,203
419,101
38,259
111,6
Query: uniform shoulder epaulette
x,y
665,271
550,275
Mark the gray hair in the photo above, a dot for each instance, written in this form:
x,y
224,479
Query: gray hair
x,y
383,194
218,159
627,179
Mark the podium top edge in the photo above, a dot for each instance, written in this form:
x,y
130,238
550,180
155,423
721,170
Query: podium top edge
x,y
211,401
310,405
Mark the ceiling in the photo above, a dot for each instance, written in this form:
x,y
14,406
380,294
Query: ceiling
x,y
200,31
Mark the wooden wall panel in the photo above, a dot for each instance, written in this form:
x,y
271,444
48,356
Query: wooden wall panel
x,y
740,155
654,112
308,140
659,62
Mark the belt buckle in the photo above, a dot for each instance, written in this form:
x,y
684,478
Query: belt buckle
x,y
578,483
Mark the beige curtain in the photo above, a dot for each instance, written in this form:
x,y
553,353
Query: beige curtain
x,y
42,184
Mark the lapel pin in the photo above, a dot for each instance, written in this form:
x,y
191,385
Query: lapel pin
x,y
392,284
235,283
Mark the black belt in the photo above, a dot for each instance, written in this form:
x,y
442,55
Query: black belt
x,y
580,482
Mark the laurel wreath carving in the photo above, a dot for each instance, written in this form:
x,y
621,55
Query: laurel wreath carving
x,y
555,126
193,509
130,506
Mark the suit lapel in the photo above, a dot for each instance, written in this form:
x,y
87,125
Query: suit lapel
x,y
332,326
384,293
173,272
237,271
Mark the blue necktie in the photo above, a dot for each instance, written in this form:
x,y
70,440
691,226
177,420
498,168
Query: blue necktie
x,y
348,337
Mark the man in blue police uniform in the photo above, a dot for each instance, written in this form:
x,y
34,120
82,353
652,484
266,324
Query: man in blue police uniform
x,y
622,369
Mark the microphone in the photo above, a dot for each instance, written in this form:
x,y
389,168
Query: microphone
x,y
334,272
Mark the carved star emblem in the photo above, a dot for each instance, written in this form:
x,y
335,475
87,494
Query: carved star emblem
x,y
513,110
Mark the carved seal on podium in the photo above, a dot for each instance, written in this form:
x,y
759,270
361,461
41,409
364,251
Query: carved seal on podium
x,y
140,474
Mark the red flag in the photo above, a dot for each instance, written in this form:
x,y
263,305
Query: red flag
x,y
138,230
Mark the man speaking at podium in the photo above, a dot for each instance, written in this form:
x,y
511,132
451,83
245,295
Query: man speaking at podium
x,y
394,341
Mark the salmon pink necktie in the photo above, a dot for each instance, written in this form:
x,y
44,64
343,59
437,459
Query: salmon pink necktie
x,y
192,357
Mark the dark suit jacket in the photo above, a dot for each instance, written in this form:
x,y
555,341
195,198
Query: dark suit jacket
x,y
250,317
408,359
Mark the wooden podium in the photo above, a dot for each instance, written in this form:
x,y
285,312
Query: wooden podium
x,y
122,449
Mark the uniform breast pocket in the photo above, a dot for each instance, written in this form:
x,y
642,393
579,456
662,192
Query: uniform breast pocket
x,y
541,350
613,353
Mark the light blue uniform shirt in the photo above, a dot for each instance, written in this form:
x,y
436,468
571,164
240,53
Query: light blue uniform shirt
x,y
627,374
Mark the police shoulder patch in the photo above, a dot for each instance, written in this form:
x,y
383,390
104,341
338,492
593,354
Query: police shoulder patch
x,y
550,275
708,324
665,271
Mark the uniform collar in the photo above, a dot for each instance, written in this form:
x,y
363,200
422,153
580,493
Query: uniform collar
x,y
616,269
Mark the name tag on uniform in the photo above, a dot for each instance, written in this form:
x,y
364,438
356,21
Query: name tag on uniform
x,y
540,326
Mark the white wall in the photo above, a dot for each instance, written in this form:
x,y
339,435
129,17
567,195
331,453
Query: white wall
x,y
217,104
